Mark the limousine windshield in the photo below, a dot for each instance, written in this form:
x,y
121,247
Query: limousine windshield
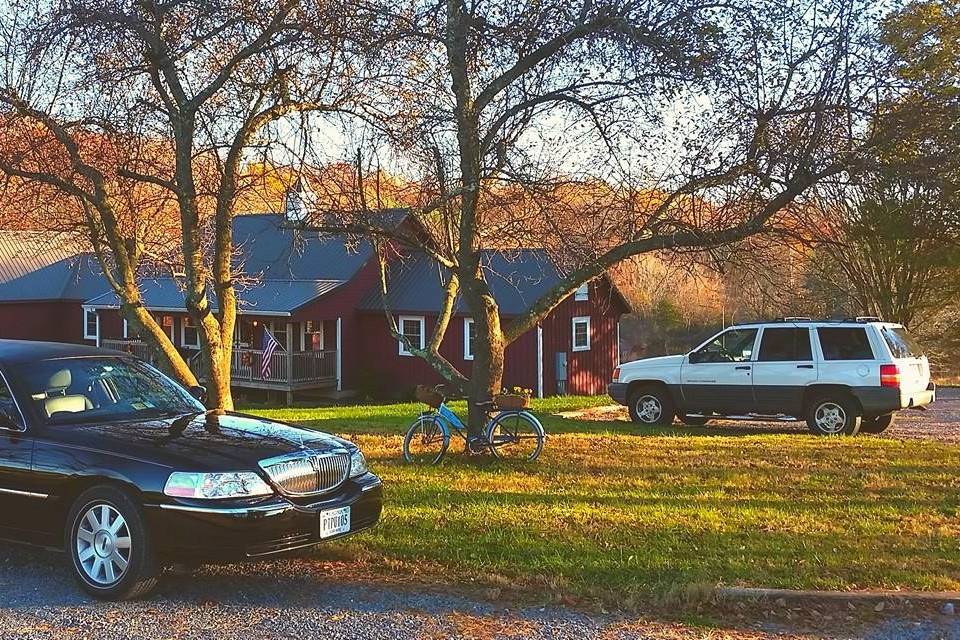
x,y
103,388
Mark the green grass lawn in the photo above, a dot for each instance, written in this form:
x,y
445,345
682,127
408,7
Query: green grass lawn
x,y
617,512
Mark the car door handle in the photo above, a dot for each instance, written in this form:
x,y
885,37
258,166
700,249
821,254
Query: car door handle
x,y
804,366
743,368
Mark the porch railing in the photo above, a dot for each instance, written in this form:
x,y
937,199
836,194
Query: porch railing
x,y
138,348
291,369
296,368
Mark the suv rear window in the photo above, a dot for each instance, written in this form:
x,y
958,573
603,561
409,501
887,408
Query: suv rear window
x,y
901,343
844,343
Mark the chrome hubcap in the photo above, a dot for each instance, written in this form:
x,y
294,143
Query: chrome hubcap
x,y
103,544
649,409
831,417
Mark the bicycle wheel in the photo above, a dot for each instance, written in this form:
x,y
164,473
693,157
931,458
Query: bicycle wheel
x,y
515,434
426,441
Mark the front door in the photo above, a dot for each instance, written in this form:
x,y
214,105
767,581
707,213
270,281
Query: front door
x,y
717,376
783,370
19,499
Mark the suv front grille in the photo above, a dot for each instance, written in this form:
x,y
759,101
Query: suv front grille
x,y
308,473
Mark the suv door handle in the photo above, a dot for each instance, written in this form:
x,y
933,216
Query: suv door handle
x,y
804,366
743,368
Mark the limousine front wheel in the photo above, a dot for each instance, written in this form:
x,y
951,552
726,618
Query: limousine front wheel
x,y
109,546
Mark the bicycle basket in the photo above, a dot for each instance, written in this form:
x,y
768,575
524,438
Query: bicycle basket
x,y
512,401
429,396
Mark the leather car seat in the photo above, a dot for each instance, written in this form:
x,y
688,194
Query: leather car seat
x,y
59,401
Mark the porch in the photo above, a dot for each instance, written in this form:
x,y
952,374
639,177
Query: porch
x,y
288,371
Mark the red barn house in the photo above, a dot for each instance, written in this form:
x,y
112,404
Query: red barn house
x,y
319,295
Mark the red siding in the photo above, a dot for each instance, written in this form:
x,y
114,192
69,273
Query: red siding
x,y
588,371
58,321
342,303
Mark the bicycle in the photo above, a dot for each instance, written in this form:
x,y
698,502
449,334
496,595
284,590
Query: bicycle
x,y
510,433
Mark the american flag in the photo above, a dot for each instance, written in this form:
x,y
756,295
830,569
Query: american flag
x,y
270,344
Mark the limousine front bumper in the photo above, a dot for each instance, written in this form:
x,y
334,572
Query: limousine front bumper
x,y
194,531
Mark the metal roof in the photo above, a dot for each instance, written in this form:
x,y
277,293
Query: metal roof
x,y
23,252
517,278
268,297
273,250
73,278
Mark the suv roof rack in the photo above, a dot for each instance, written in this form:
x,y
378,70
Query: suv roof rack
x,y
794,319
864,319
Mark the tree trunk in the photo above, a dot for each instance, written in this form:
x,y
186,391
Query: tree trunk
x,y
486,379
146,327
219,394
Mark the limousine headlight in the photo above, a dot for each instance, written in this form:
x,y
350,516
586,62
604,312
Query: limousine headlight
x,y
211,486
358,464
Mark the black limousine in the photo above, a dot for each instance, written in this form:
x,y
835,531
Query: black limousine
x,y
107,458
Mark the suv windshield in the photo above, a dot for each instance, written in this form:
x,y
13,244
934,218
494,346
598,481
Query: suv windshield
x,y
71,390
901,343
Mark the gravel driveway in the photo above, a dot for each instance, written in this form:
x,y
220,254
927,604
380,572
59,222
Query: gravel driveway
x,y
940,421
304,598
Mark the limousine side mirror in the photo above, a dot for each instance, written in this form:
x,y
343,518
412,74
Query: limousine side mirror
x,y
199,392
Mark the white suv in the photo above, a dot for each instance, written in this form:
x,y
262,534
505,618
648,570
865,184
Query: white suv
x,y
841,377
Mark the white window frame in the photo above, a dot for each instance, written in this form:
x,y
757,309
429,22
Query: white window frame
x,y
126,329
183,333
582,294
573,333
86,324
467,323
423,331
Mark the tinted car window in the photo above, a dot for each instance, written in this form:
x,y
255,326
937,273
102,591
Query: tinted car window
x,y
786,344
8,407
71,390
844,343
901,343
735,345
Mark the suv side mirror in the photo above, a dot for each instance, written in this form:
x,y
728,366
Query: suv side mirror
x,y
695,357
199,392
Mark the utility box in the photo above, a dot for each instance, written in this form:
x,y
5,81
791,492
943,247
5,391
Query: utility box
x,y
561,372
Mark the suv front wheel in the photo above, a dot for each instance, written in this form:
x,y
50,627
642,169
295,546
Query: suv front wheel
x,y
833,415
651,405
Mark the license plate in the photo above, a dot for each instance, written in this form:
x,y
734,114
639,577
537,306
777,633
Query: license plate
x,y
334,521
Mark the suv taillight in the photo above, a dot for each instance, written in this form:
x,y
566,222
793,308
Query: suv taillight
x,y
889,376
616,374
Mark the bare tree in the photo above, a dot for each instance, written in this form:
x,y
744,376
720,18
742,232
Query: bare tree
x,y
185,93
688,125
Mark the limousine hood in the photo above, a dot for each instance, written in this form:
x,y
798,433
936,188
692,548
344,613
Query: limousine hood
x,y
197,442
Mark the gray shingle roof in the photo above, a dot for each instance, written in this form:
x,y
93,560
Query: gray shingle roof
x,y
518,279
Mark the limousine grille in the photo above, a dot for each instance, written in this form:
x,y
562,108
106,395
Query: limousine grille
x,y
309,474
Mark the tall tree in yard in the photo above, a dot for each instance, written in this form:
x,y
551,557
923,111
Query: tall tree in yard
x,y
181,95
683,126
896,232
